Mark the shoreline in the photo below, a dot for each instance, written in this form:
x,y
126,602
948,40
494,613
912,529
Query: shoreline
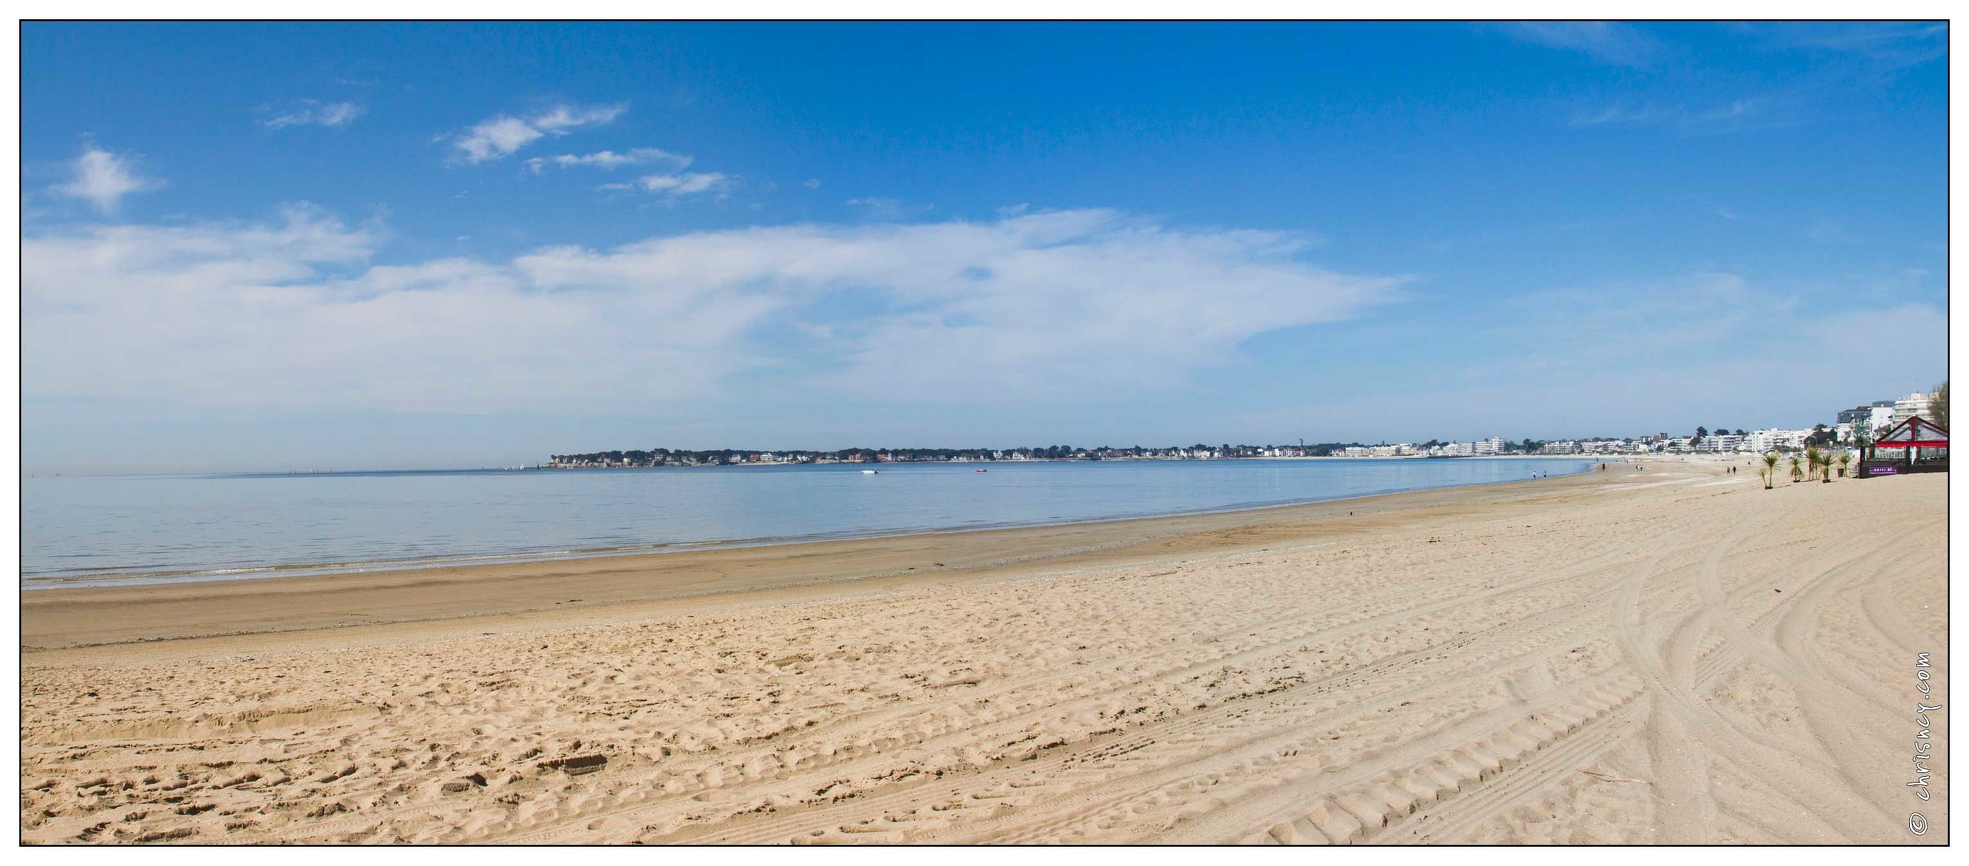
x,y
97,614
1674,656
45,583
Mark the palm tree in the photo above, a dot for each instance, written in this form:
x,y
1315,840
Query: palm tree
x,y
1796,473
1845,457
1770,468
1811,461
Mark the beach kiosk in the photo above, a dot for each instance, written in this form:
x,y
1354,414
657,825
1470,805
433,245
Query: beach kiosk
x,y
1914,445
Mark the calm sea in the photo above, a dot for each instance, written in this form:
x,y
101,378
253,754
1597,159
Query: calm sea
x,y
132,529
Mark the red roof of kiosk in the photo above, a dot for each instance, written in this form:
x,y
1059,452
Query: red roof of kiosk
x,y
1913,433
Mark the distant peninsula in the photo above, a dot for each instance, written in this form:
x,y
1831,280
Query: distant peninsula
x,y
747,457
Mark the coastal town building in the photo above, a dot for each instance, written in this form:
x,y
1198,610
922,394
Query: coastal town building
x,y
1719,443
1911,406
1776,439
1849,426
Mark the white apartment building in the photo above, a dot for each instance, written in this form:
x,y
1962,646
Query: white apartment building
x,y
1721,443
1766,440
1908,407
1883,418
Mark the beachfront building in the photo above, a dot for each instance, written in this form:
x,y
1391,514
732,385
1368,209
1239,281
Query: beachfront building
x,y
1871,419
1913,405
1882,417
1776,439
1721,443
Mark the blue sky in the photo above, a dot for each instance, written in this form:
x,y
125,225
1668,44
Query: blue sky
x,y
297,245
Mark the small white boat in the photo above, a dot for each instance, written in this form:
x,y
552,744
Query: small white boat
x,y
868,472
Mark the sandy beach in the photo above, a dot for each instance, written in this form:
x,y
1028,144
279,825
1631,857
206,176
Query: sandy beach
x,y
1669,655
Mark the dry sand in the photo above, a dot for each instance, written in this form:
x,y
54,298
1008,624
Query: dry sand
x,y
1672,655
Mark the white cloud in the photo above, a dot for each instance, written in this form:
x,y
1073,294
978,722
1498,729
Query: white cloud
x,y
1611,42
104,179
608,159
498,137
1641,358
565,117
1887,44
1042,306
1736,115
812,183
310,112
1625,114
878,207
676,185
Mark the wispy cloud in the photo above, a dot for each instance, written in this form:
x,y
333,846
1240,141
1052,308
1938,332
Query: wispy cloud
x,y
1609,42
1621,113
609,159
812,183
1888,44
103,178
1735,115
1614,323
677,185
1827,231
1038,307
885,209
1646,356
498,137
1720,209
311,112
877,205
